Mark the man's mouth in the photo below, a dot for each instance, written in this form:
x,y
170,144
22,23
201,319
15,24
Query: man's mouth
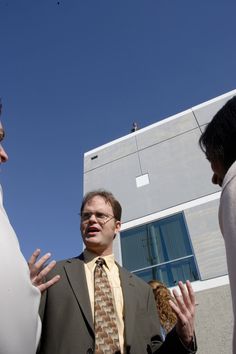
x,y
92,231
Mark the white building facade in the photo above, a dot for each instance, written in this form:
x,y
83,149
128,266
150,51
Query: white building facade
x,y
170,225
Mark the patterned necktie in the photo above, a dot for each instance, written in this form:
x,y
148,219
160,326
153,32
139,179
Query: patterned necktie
x,y
106,331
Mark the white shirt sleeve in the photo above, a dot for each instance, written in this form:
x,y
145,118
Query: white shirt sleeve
x,y
20,326
227,219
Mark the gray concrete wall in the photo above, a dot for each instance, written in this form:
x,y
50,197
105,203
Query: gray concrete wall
x,y
214,321
205,112
177,169
178,173
207,241
167,151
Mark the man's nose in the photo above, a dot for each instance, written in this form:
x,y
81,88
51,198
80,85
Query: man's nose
x,y
93,218
3,155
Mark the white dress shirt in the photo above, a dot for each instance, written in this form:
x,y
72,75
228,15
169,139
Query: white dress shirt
x,y
227,219
20,326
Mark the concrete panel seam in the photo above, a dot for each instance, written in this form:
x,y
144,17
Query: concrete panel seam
x,y
139,150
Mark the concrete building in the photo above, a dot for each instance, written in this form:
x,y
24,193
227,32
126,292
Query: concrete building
x,y
170,226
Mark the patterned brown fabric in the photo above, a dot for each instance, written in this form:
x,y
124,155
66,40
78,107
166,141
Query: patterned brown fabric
x,y
106,331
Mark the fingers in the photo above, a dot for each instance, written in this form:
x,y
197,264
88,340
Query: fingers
x,y
40,277
36,266
178,308
187,298
185,311
41,262
191,293
49,283
40,269
34,257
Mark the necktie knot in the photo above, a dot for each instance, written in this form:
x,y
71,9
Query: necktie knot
x,y
100,262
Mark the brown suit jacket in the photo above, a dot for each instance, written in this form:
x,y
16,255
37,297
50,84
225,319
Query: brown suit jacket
x,y
67,323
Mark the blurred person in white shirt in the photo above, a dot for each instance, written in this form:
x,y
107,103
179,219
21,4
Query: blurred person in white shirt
x,y
21,285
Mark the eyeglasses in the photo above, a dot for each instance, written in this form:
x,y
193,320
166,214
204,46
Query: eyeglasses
x,y
101,217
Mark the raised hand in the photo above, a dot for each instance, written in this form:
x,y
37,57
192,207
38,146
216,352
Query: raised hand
x,y
39,270
184,307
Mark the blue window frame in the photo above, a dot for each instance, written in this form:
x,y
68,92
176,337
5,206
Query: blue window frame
x,y
160,250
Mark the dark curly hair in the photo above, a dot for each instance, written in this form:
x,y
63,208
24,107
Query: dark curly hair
x,y
162,296
218,141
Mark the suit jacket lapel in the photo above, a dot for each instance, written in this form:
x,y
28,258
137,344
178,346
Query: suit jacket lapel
x,y
128,289
76,275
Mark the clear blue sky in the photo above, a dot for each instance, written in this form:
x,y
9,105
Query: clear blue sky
x,y
75,75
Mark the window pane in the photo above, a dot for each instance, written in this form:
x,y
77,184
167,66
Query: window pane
x,y
175,238
134,244
172,272
157,243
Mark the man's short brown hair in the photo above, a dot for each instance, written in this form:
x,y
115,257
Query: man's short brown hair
x,y
108,197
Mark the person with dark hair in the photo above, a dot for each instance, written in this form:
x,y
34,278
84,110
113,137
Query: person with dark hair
x,y
21,284
218,142
166,314
99,307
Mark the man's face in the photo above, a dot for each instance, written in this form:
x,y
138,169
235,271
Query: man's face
x,y
218,172
98,226
3,155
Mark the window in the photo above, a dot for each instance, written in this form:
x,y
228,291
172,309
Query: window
x,y
160,250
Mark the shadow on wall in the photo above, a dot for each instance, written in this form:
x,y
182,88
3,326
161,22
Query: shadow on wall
x,y
214,321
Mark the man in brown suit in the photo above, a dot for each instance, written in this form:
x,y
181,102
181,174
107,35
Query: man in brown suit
x,y
68,308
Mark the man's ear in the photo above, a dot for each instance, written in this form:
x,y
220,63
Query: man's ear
x,y
118,226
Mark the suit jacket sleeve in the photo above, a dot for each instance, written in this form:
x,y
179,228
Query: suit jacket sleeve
x,y
172,343
142,323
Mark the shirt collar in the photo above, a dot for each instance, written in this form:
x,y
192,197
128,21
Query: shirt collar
x,y
90,259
